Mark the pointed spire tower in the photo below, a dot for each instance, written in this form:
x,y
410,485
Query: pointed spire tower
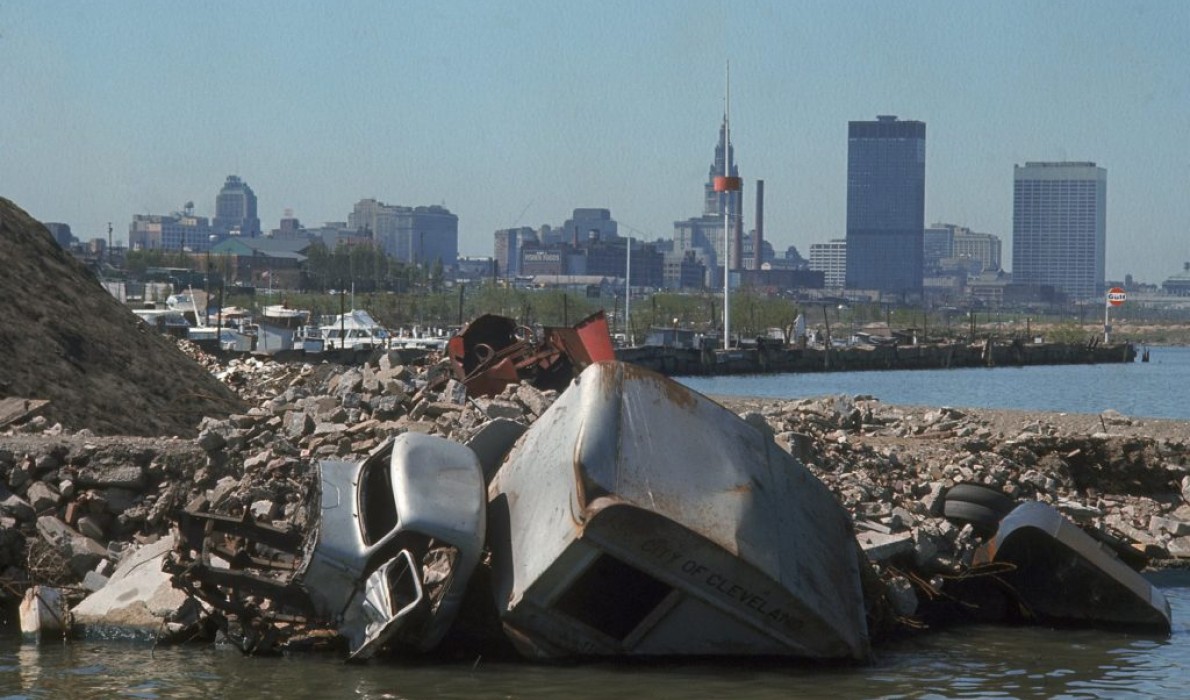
x,y
729,187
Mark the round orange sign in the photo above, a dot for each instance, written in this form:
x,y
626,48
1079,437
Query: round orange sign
x,y
1116,296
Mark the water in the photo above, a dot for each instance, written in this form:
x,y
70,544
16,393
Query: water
x,y
967,662
1152,389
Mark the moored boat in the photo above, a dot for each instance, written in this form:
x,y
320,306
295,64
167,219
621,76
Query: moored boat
x,y
277,327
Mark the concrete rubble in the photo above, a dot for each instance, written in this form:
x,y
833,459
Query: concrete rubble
x,y
77,511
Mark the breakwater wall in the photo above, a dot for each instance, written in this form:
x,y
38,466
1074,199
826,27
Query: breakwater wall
x,y
774,358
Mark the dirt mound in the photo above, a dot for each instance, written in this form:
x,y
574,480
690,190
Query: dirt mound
x,y
63,338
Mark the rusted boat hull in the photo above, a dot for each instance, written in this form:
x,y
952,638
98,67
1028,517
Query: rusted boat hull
x,y
637,517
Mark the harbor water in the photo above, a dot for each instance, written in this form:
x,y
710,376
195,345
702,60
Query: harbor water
x,y
962,662
1154,389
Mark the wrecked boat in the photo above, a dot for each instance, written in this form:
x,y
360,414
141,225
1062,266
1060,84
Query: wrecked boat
x,y
1059,574
637,517
396,540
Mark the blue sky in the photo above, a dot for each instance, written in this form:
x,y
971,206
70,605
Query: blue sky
x,y
515,113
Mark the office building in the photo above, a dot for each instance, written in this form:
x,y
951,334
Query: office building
x,y
235,210
831,260
415,235
1059,231
180,231
704,234
886,175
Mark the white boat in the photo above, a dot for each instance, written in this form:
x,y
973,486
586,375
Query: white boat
x,y
637,517
419,338
354,330
229,339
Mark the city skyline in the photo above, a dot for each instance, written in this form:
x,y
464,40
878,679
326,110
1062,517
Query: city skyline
x,y
515,114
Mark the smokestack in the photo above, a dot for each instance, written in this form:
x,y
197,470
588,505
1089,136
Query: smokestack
x,y
758,243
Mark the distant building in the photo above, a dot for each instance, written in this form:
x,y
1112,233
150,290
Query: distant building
x,y
831,260
886,174
174,232
261,261
1178,284
937,244
946,246
587,224
704,234
235,210
416,235
509,243
983,247
610,260
61,234
683,271
1059,227
536,260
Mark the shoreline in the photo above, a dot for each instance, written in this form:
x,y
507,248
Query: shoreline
x,y
91,498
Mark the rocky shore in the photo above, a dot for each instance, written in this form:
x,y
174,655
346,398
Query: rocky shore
x,y
74,505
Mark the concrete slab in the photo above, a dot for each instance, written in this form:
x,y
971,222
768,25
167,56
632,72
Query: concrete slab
x,y
137,600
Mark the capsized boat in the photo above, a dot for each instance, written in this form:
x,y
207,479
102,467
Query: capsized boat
x,y
637,517
1060,574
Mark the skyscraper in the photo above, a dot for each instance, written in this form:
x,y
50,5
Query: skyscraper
x,y
235,209
704,234
886,186
1059,229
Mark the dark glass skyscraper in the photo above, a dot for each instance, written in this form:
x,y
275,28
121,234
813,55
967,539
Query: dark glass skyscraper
x,y
235,209
886,194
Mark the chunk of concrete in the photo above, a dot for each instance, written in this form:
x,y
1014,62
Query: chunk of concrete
x,y
137,598
880,547
82,552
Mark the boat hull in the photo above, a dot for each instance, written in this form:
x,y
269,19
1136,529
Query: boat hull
x,y
637,517
1062,575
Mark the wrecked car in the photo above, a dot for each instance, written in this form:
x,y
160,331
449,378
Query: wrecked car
x,y
397,538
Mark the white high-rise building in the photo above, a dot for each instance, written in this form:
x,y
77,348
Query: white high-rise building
x,y
831,260
1059,227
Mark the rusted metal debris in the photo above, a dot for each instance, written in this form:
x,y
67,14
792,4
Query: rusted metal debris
x,y
494,351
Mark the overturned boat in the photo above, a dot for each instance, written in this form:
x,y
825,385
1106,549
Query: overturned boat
x,y
1059,574
637,517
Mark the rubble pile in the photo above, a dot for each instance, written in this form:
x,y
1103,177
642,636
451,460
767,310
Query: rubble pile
x,y
892,467
73,504
66,340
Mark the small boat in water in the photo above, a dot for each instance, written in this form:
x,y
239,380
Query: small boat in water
x,y
1059,574
637,517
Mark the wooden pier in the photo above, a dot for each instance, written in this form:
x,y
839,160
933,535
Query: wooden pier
x,y
775,358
